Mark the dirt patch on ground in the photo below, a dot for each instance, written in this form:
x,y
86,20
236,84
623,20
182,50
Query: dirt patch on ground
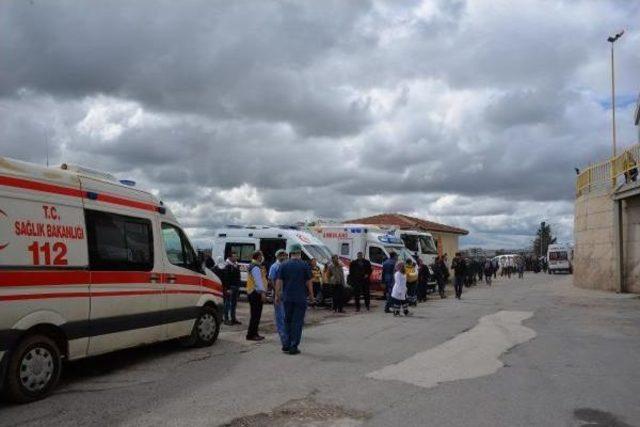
x,y
302,412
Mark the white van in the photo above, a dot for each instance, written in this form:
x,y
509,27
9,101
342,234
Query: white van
x,y
560,259
245,240
507,260
374,242
88,266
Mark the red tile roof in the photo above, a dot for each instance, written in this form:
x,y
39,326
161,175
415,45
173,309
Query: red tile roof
x,y
407,222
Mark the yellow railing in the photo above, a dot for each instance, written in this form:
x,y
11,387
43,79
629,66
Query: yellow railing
x,y
605,175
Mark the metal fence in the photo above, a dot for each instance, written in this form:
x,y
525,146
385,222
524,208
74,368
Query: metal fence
x,y
610,173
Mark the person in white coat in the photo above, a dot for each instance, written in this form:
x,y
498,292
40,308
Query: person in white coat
x,y
399,291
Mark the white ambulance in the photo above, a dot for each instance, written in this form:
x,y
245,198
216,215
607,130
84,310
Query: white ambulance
x,y
560,259
374,242
88,266
245,240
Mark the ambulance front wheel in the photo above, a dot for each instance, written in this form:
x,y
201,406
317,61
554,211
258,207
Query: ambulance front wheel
x,y
206,328
33,370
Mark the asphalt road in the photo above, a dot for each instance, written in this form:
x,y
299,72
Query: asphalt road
x,y
532,352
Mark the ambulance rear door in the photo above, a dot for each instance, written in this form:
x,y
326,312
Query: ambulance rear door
x,y
43,251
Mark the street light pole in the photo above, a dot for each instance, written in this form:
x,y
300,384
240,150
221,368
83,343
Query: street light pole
x,y
612,40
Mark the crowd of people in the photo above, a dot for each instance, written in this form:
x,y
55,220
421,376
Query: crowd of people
x,y
293,284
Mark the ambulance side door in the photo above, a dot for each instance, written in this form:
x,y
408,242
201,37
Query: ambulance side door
x,y
182,279
127,300
376,256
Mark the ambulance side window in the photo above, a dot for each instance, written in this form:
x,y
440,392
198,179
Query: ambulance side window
x,y
119,242
344,249
243,251
376,255
178,249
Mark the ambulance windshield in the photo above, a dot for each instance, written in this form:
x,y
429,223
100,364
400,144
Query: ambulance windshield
x,y
320,252
404,254
427,245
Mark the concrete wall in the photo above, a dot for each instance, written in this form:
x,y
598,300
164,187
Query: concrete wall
x,y
631,243
447,243
593,262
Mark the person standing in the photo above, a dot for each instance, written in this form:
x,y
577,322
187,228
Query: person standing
x,y
316,279
445,265
423,280
411,273
335,278
399,291
520,267
459,272
359,274
278,308
388,271
494,267
438,272
231,280
488,271
469,273
293,288
256,288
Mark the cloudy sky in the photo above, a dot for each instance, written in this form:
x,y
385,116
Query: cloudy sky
x,y
471,113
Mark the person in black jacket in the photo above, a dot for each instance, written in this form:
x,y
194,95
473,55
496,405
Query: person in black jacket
x,y
423,280
359,274
439,268
231,289
459,267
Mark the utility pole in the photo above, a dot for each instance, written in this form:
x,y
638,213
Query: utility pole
x,y
612,40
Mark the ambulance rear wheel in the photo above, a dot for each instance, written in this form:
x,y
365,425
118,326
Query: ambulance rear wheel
x,y
33,370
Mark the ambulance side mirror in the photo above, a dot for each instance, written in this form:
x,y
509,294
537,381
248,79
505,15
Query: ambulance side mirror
x,y
209,263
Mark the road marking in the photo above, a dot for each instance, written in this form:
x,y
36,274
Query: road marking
x,y
472,354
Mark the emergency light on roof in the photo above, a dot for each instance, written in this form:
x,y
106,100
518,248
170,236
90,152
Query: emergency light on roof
x,y
392,240
87,172
128,182
357,230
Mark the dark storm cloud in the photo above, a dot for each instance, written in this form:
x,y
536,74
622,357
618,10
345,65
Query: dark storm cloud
x,y
470,113
221,59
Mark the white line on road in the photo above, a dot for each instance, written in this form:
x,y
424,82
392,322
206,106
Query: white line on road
x,y
472,354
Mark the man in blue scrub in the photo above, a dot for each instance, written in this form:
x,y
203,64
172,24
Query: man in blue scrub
x,y
293,288
281,257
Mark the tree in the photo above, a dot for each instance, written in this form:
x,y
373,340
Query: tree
x,y
543,239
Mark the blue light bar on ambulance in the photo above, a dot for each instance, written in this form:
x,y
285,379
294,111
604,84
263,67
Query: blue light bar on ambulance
x,y
357,230
392,240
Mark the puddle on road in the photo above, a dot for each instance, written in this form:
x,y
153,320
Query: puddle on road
x,y
597,418
471,354
302,412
